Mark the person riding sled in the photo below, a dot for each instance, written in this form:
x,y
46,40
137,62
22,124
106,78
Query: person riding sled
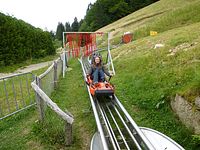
x,y
97,70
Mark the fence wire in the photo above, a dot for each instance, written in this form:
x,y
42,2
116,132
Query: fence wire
x,y
49,79
47,82
16,94
57,129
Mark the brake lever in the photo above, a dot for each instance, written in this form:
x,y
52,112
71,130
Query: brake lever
x,y
109,78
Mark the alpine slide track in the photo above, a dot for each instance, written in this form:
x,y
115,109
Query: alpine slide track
x,y
116,128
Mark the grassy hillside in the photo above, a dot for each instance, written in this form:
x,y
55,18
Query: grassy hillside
x,y
177,24
160,16
146,79
149,78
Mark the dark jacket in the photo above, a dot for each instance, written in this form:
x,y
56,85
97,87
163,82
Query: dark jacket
x,y
100,66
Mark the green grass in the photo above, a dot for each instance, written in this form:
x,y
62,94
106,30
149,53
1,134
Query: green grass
x,y
70,95
21,129
15,131
161,16
141,17
155,63
147,79
28,133
19,92
183,16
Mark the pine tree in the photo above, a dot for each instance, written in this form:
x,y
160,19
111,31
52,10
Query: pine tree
x,y
59,31
75,25
67,27
103,12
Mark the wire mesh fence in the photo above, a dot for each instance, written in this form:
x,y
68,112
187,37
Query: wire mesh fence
x,y
46,80
16,94
58,123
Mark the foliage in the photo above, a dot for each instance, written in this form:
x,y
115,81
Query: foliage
x,y
20,41
75,25
53,36
67,27
59,31
103,12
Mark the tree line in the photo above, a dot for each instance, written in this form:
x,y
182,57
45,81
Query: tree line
x,y
102,13
74,27
20,41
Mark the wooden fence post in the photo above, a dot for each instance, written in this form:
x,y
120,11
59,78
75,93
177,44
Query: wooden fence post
x,y
55,74
68,133
39,101
68,130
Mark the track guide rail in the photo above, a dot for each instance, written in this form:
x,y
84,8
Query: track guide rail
x,y
116,127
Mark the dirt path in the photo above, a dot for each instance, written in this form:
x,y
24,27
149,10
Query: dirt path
x,y
28,68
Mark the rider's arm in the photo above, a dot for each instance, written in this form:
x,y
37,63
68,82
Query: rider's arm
x,y
106,71
89,71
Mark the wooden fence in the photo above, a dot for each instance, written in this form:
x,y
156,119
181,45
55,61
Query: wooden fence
x,y
43,86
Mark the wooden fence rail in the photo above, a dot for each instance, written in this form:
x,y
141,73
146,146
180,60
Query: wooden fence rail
x,y
66,116
43,99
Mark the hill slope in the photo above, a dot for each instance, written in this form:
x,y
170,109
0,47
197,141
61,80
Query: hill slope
x,y
148,79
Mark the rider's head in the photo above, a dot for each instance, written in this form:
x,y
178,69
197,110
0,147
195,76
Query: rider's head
x,y
97,60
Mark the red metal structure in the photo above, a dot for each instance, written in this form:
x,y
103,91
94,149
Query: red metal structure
x,y
75,42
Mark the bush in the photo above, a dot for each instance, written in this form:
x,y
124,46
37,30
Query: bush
x,y
19,41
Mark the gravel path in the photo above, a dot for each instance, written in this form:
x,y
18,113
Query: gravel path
x,y
28,68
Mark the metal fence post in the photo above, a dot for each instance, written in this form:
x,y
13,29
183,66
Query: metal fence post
x,y
68,133
64,64
66,59
55,74
39,101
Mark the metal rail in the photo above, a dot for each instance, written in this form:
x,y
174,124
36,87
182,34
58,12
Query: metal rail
x,y
15,95
108,126
116,127
98,122
143,139
127,128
